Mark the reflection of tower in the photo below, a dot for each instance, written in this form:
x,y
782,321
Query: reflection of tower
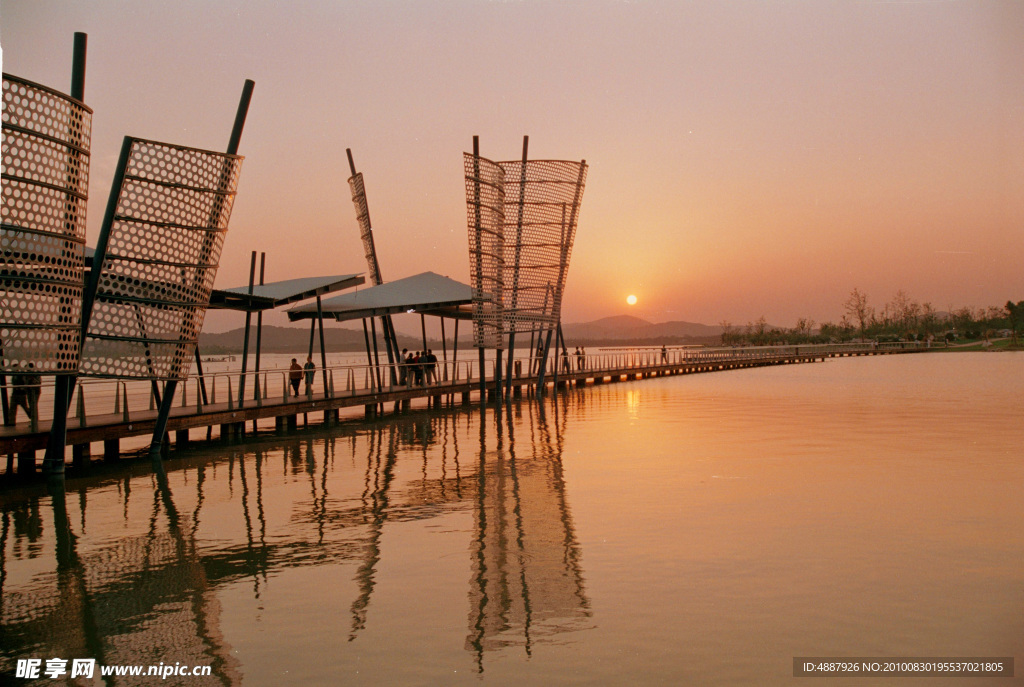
x,y
527,581
379,473
137,601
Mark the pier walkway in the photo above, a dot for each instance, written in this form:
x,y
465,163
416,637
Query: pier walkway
x,y
107,411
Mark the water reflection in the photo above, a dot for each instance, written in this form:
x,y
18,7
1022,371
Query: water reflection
x,y
145,582
527,579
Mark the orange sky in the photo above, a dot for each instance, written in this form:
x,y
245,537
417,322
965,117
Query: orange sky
x,y
746,158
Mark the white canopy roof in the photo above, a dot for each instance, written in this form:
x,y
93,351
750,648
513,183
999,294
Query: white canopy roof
x,y
427,293
278,293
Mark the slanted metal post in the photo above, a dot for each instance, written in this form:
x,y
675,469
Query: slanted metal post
x,y
64,384
245,338
479,259
515,271
259,325
323,348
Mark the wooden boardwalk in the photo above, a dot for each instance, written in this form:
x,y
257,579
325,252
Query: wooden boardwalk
x,y
232,417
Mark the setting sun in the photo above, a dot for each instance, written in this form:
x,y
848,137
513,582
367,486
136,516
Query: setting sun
x,y
631,299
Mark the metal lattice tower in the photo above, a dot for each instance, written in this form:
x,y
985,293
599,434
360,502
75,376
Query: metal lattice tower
x,y
522,219
46,138
542,199
355,183
161,257
485,201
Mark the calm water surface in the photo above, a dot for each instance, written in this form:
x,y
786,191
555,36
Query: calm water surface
x,y
688,530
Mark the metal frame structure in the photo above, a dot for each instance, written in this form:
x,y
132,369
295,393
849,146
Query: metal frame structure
x,y
522,218
540,228
152,275
46,144
485,205
358,188
149,292
42,260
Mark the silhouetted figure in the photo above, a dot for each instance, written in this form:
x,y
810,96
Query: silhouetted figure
x,y
309,369
295,376
417,368
430,366
410,369
27,387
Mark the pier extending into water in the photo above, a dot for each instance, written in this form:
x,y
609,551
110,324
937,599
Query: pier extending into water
x,y
108,411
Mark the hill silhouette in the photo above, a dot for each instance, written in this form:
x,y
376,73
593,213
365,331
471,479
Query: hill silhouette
x,y
617,330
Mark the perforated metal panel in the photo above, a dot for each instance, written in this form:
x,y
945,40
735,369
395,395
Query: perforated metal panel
x,y
541,210
485,201
46,138
162,256
522,225
365,230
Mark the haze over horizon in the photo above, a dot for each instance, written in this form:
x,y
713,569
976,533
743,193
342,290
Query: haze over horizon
x,y
746,159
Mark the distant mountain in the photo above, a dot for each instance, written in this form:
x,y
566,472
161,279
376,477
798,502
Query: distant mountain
x,y
294,340
626,328
609,331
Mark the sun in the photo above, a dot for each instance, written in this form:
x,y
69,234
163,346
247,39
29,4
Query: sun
x,y
631,299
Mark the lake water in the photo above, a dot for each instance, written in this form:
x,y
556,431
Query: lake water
x,y
702,529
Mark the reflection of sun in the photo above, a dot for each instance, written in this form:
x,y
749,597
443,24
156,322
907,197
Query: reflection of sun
x,y
631,299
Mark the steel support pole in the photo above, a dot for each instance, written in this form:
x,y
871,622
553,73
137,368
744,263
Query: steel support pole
x,y
58,430
483,377
323,348
202,381
477,323
64,384
376,355
444,351
515,270
455,346
369,356
245,338
497,376
259,329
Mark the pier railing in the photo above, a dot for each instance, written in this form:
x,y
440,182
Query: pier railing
x,y
127,399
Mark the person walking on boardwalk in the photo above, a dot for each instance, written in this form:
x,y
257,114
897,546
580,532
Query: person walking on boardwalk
x,y
417,368
27,387
664,354
430,366
309,369
409,370
295,376
403,368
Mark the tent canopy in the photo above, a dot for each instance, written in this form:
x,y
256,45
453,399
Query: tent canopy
x,y
278,293
427,293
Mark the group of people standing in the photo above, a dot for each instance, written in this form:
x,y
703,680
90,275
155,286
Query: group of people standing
x,y
417,368
296,374
580,354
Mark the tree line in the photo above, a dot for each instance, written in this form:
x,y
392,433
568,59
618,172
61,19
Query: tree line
x,y
900,319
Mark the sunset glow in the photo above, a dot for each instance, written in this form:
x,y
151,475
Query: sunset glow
x,y
631,299
749,159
